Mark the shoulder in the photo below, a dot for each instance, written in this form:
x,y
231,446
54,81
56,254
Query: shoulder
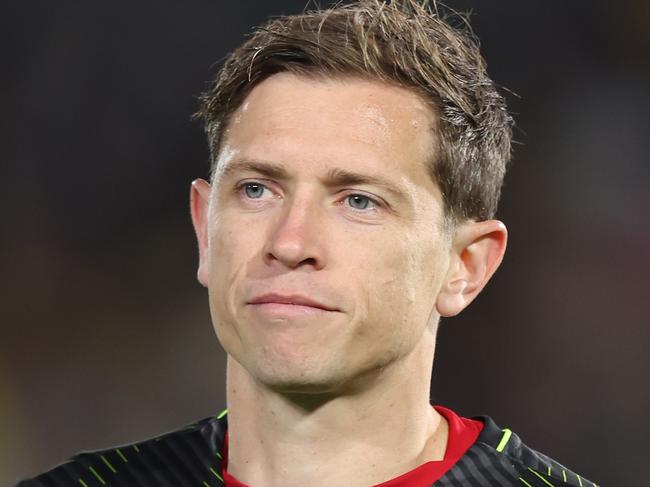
x,y
187,456
499,457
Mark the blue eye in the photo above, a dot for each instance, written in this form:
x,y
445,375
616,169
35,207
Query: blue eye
x,y
360,202
254,190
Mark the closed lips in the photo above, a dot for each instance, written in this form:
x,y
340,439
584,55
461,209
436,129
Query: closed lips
x,y
293,299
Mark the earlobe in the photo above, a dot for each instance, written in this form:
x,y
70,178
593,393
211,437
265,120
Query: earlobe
x,y
199,208
477,251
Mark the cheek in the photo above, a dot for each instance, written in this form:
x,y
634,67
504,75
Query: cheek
x,y
231,241
403,282
228,264
229,254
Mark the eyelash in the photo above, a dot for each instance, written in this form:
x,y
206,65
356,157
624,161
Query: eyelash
x,y
240,189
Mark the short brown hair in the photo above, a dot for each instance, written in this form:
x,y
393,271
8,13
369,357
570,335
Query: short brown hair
x,y
407,43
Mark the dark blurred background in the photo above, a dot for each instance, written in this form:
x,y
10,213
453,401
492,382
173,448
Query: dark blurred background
x,y
106,336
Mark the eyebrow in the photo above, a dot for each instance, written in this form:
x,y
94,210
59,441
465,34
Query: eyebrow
x,y
342,177
267,169
335,177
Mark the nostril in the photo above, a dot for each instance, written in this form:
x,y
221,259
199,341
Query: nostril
x,y
292,262
308,261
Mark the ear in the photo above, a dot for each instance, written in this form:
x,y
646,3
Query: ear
x,y
476,252
199,207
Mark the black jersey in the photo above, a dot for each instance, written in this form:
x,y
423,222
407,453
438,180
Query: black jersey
x,y
192,457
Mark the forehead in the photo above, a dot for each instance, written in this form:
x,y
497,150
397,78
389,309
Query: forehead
x,y
347,121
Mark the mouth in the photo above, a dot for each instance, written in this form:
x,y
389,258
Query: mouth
x,y
289,304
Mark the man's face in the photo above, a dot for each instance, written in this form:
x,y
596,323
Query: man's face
x,y
322,194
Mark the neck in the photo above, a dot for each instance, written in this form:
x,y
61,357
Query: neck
x,y
360,439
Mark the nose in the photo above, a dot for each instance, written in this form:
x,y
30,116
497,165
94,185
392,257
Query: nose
x,y
297,237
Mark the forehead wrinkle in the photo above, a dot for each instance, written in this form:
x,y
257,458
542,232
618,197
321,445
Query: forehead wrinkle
x,y
378,120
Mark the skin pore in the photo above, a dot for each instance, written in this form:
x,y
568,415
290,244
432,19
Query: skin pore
x,y
322,192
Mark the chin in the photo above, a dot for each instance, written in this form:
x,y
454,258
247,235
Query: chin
x,y
297,380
